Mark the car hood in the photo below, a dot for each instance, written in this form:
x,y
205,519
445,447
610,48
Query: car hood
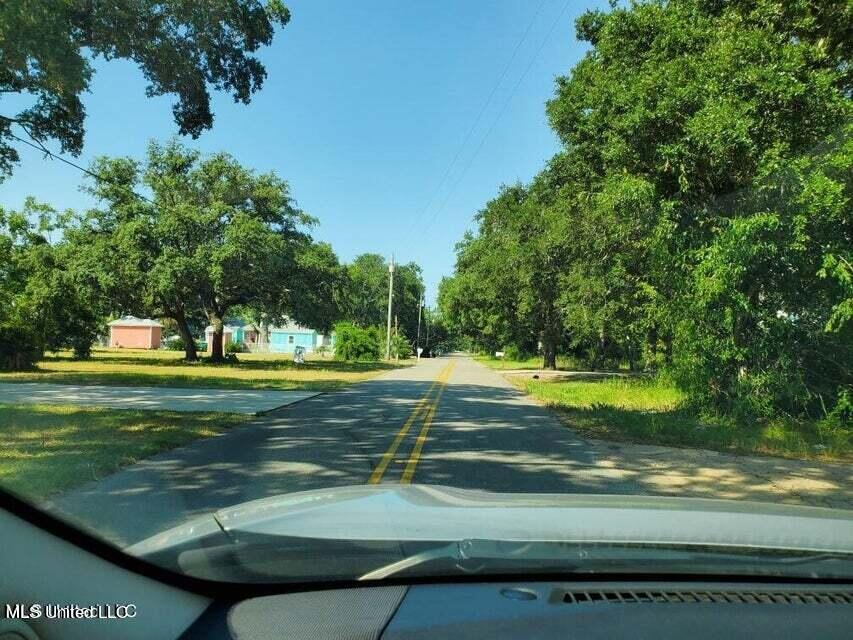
x,y
428,513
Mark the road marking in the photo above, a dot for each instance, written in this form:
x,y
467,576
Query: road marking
x,y
376,476
409,471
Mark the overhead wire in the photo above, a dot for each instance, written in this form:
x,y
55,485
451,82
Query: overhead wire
x,y
477,119
494,123
56,156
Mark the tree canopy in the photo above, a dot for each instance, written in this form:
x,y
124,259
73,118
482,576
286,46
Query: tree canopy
x,y
183,49
214,236
698,217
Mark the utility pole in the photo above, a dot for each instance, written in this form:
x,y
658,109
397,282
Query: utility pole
x,y
418,339
390,296
396,339
426,321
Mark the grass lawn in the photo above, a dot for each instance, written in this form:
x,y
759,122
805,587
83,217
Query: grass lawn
x,y
648,411
47,449
166,368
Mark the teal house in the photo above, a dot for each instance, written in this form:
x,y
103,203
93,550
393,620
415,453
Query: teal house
x,y
285,339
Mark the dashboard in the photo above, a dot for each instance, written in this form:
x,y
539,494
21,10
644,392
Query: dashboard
x,y
539,610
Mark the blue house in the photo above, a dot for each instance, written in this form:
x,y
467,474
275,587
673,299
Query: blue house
x,y
285,339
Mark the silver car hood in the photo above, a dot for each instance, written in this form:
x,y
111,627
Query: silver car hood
x,y
389,512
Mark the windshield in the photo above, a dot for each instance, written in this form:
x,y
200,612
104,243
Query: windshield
x,y
300,292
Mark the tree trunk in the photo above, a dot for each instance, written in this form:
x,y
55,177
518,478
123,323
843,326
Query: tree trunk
x,y
549,353
653,348
549,348
190,352
667,349
216,351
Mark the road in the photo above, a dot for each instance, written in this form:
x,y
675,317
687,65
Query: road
x,y
444,421
449,421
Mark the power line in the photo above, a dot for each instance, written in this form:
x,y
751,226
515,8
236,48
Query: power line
x,y
482,111
497,119
56,156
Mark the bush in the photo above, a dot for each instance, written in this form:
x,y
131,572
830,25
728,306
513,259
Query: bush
x,y
177,344
19,348
234,347
512,352
400,347
356,343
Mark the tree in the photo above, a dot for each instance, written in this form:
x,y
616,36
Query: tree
x,y
368,293
182,48
506,289
711,108
46,290
214,236
701,205
317,296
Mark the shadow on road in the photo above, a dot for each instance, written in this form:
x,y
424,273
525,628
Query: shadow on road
x,y
484,436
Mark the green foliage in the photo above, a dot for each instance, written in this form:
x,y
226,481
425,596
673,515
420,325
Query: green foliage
x,y
401,346
512,352
234,347
698,218
181,48
46,288
319,289
353,343
20,348
215,236
367,299
176,344
653,411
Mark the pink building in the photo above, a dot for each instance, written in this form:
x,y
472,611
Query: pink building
x,y
130,332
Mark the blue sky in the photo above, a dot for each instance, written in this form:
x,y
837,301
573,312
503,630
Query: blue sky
x,y
364,109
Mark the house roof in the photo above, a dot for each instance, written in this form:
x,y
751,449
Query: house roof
x,y
291,327
133,321
226,328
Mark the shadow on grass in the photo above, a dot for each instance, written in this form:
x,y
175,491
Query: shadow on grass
x,y
46,449
244,363
157,379
682,427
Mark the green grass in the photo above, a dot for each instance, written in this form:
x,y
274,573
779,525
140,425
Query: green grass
x,y
48,449
651,411
125,367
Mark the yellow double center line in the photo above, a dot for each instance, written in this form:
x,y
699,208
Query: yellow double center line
x,y
426,407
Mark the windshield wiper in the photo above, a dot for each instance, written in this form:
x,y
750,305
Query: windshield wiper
x,y
472,556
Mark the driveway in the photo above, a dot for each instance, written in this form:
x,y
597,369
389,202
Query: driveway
x,y
448,421
253,402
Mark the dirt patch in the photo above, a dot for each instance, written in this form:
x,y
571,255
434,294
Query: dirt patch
x,y
710,474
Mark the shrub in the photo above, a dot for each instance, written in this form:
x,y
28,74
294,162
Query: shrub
x,y
234,347
356,343
512,352
19,348
176,344
400,347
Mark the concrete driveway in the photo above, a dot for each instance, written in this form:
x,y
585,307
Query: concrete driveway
x,y
250,401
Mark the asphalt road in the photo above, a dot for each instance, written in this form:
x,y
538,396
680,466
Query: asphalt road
x,y
448,421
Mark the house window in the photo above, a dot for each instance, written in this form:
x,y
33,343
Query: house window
x,y
289,339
